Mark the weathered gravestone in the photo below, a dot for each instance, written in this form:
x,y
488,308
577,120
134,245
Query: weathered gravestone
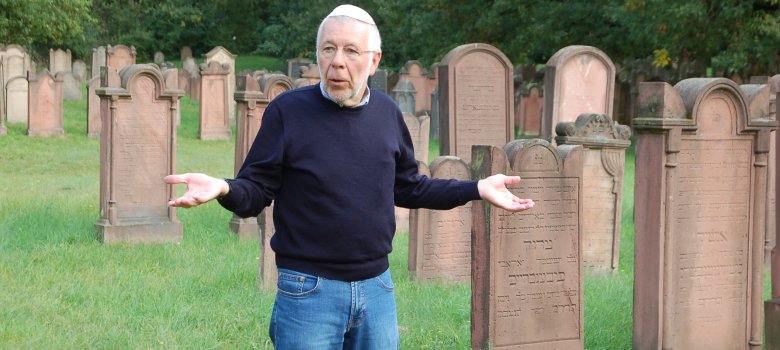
x,y
414,72
578,79
137,150
98,60
772,306
16,106
476,101
185,52
440,240
71,87
60,61
310,75
526,267
529,112
94,124
223,56
79,70
251,101
378,81
45,105
294,67
159,58
214,109
604,155
119,56
404,95
700,189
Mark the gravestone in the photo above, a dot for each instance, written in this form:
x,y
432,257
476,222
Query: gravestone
x,y
476,99
98,60
772,306
45,105
71,87
294,67
604,144
94,124
3,130
137,150
419,130
223,56
159,58
414,72
700,185
404,95
526,267
214,107
190,65
529,114
378,81
184,77
252,99
16,92
119,56
60,61
310,75
435,115
79,70
440,241
185,53
578,79
195,84
268,272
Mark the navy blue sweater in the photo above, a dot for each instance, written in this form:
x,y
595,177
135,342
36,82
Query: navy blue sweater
x,y
335,174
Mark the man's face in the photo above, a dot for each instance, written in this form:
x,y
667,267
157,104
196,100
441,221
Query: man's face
x,y
345,73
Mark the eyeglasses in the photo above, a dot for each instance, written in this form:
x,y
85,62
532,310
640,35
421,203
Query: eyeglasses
x,y
329,51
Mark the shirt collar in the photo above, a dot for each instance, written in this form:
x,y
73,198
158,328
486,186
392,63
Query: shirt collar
x,y
363,102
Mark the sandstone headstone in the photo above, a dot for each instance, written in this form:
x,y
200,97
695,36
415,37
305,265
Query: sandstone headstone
x,y
94,124
294,67
700,189
45,105
526,267
185,52
440,243
476,99
268,272
16,107
190,65
578,79
214,107
378,81
137,149
414,72
79,70
71,87
98,60
184,81
59,61
119,57
772,306
604,155
529,114
404,95
310,75
223,56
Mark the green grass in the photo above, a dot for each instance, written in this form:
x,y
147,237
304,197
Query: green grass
x,y
60,288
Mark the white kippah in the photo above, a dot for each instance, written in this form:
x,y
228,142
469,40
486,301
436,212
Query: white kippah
x,y
352,11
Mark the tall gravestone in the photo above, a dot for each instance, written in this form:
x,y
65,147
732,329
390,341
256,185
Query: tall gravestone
x,y
252,99
581,82
526,267
419,131
476,99
98,60
137,150
577,79
700,189
440,240
94,124
223,56
214,109
45,105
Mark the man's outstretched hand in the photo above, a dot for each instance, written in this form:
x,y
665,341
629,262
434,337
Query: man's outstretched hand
x,y
493,189
201,188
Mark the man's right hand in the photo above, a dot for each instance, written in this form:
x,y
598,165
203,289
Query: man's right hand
x,y
201,188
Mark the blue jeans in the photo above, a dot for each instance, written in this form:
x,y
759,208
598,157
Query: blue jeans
x,y
312,312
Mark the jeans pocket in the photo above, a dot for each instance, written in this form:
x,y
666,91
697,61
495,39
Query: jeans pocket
x,y
295,284
385,280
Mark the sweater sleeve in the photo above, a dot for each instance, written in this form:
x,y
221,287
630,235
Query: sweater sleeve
x,y
259,178
413,190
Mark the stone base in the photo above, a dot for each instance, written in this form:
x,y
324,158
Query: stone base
x,y
154,232
58,132
772,323
245,228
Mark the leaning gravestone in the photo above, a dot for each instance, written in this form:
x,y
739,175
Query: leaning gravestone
x,y
251,105
214,109
440,240
525,267
577,79
137,150
700,190
476,101
45,105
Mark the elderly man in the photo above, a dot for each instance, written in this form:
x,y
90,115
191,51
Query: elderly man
x,y
336,157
